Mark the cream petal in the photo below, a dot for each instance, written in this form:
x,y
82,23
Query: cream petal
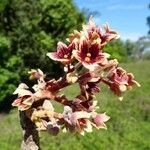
x,y
47,105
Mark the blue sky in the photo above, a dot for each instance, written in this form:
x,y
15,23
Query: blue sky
x,y
128,17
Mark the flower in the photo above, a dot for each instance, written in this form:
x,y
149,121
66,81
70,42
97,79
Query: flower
x,y
37,74
77,121
45,118
75,116
91,30
24,102
25,97
63,54
74,37
67,113
22,90
100,119
95,33
52,85
71,77
53,128
47,105
93,106
109,34
89,89
89,54
88,84
92,88
120,80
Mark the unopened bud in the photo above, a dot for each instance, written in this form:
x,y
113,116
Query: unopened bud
x,y
53,129
71,78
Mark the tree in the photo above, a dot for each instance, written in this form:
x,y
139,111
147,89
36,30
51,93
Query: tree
x,y
142,45
130,47
36,26
8,75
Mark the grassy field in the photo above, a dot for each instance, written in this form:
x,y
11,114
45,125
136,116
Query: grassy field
x,y
128,128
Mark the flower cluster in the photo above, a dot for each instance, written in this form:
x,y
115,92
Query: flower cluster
x,y
86,63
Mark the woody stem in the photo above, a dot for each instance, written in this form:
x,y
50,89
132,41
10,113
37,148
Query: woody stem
x,y
30,134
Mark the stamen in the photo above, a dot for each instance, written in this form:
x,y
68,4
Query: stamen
x,y
88,55
65,56
87,59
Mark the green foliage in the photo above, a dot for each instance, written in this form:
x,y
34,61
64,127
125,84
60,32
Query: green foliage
x,y
130,47
3,4
118,50
128,128
8,74
7,82
4,48
34,28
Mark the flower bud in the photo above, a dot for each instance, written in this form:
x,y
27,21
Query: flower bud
x,y
53,129
71,77
100,120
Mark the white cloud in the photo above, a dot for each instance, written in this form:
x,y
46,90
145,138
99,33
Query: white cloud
x,y
126,7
